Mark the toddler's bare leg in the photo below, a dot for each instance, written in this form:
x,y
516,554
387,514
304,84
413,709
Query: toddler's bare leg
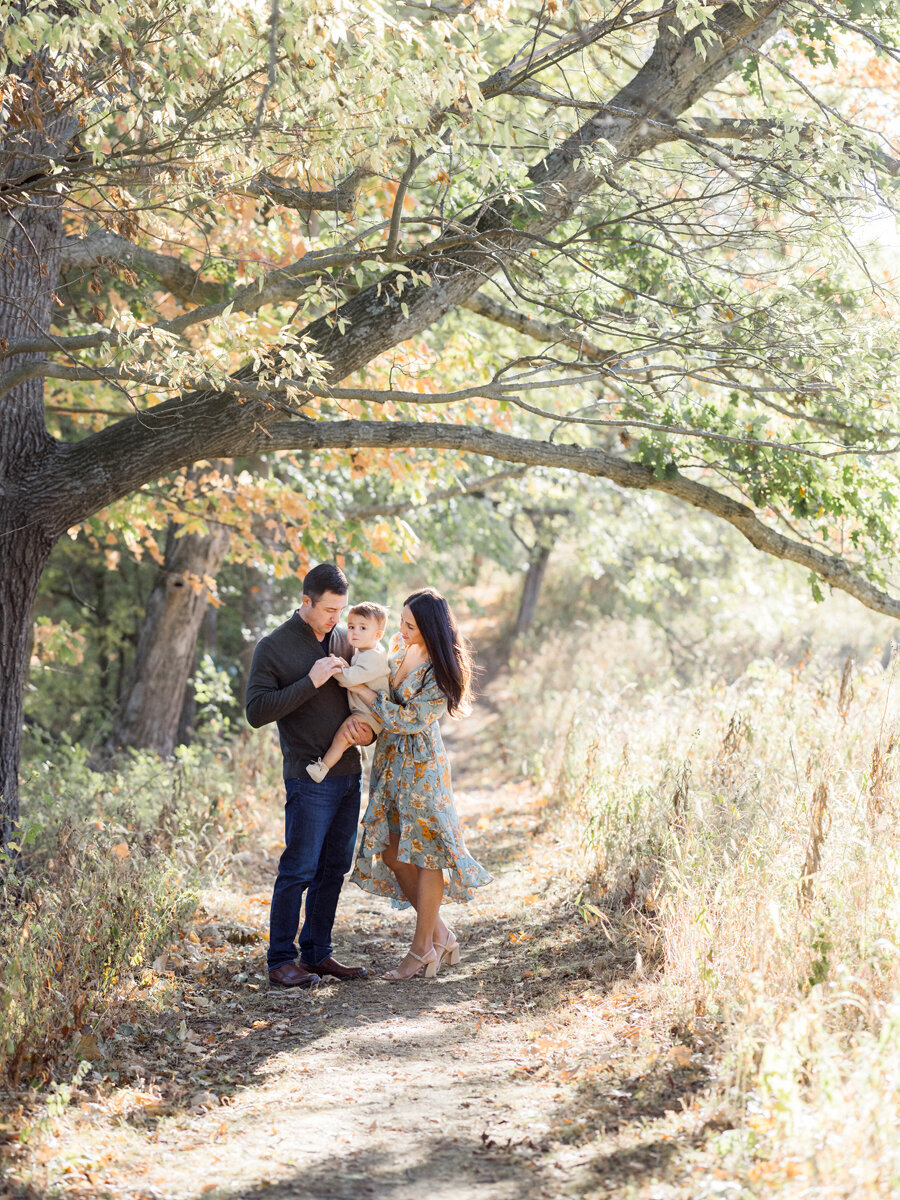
x,y
343,740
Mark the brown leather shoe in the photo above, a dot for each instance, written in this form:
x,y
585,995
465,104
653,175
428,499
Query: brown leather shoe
x,y
290,975
328,966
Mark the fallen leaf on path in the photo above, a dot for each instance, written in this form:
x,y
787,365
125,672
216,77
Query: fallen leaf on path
x,y
89,1048
679,1056
548,1045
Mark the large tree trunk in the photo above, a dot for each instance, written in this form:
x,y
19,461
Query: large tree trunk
x,y
30,244
25,555
531,589
151,707
257,598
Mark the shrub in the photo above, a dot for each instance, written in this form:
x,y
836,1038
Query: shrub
x,y
95,911
108,869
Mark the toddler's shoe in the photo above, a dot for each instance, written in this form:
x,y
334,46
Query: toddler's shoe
x,y
317,770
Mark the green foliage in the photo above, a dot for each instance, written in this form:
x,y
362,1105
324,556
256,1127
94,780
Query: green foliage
x,y
106,869
215,699
92,617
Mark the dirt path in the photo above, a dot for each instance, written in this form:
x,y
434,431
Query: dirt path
x,y
533,1069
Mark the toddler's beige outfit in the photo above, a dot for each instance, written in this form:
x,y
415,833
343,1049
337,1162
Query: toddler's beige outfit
x,y
371,667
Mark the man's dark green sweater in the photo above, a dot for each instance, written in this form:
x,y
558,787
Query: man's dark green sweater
x,y
280,689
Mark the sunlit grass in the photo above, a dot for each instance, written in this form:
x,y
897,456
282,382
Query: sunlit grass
x,y
742,829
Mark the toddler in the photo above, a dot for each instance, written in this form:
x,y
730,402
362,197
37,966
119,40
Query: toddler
x,y
365,625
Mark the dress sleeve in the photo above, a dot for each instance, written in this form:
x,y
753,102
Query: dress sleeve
x,y
415,714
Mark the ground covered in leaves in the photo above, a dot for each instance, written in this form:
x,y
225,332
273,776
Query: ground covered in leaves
x,y
540,1066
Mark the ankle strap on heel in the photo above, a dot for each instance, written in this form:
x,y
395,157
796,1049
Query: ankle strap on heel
x,y
419,958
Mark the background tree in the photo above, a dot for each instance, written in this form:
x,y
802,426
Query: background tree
x,y
659,203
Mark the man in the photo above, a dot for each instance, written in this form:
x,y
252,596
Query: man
x,y
291,682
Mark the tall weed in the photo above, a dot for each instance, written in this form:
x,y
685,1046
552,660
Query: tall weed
x,y
748,830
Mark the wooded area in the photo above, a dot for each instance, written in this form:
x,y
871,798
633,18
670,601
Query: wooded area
x,y
584,312
288,243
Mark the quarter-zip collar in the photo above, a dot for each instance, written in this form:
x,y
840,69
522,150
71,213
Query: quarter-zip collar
x,y
303,627
305,630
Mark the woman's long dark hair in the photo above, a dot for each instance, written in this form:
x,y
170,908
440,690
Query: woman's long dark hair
x,y
450,657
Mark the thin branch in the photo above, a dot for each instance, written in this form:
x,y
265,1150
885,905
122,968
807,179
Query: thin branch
x,y
397,211
289,394
543,331
483,483
102,248
287,388
283,192
702,129
706,435
273,67
341,198
277,287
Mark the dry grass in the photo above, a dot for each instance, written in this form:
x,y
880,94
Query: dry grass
x,y
91,898
743,831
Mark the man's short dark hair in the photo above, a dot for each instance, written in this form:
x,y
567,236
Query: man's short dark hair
x,y
326,577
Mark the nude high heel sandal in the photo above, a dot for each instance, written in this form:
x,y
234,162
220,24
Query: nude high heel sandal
x,y
430,964
449,951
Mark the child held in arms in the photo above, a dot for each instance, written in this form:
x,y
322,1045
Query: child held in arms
x,y
369,665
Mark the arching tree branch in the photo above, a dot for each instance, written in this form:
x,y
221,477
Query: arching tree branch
x,y
831,569
93,457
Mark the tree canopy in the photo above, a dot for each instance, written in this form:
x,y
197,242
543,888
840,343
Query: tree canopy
x,y
633,241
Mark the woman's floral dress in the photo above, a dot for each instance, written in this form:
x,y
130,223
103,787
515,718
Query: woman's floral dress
x,y
410,792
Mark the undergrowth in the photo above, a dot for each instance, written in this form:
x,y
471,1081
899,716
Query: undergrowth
x,y
105,870
743,831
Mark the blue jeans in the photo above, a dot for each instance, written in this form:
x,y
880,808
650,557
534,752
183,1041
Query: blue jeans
x,y
320,824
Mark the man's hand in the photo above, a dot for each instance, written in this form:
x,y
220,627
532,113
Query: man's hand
x,y
324,669
360,731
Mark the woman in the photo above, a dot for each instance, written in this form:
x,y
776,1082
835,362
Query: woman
x,y
411,823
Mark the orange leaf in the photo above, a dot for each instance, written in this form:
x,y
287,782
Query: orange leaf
x,y
679,1056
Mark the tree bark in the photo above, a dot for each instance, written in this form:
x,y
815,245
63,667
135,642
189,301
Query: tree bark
x,y
531,589
149,714
25,556
30,240
257,599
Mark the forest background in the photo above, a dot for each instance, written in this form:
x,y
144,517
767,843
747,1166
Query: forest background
x,y
545,305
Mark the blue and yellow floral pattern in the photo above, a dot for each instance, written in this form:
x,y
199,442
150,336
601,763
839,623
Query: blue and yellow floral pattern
x,y
410,792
